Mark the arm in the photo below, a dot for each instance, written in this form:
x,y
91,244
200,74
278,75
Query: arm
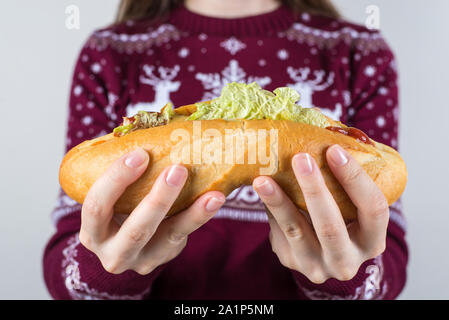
x,y
375,110
93,256
70,270
375,274
108,259
329,259
73,272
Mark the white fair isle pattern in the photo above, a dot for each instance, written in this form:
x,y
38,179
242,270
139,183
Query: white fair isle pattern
x,y
282,54
397,206
244,197
133,43
183,52
333,114
347,98
163,85
233,45
398,219
214,82
80,290
380,121
96,68
363,41
243,204
382,91
396,216
369,290
307,85
369,71
110,108
64,206
241,215
77,90
87,120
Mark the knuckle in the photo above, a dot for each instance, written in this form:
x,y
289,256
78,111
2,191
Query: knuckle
x,y
317,276
136,235
293,231
176,238
312,191
86,240
270,236
92,207
380,208
285,261
329,232
274,247
346,273
145,269
113,266
353,175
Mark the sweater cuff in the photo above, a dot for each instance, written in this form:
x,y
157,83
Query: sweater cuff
x,y
365,285
86,279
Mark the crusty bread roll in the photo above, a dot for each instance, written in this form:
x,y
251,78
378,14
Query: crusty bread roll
x,y
86,162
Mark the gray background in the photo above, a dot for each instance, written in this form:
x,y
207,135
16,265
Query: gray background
x,y
37,55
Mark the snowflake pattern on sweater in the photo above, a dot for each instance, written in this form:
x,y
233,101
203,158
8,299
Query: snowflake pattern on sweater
x,y
345,69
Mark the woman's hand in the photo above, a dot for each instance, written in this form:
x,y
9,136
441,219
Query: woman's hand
x,y
326,247
145,240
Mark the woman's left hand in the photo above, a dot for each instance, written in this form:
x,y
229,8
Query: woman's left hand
x,y
326,248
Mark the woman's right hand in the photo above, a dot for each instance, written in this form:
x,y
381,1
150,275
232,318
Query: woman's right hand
x,y
145,240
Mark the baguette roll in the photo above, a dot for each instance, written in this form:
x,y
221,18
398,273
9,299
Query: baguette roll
x,y
205,157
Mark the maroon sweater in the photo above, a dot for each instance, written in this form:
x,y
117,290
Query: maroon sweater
x,y
346,69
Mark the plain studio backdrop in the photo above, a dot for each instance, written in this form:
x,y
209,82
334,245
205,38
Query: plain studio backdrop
x,y
37,57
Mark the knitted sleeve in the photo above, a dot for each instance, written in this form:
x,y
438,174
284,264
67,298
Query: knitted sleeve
x,y
373,108
70,270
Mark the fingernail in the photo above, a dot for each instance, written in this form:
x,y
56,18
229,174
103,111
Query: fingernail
x,y
337,155
265,188
303,163
176,175
214,204
135,158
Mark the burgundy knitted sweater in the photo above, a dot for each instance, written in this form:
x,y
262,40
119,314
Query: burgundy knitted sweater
x,y
346,69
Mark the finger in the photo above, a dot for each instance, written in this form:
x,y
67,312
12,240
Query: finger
x,y
171,235
142,223
279,243
373,212
177,228
276,235
324,212
97,207
293,224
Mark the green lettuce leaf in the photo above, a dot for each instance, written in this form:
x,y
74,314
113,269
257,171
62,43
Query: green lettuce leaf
x,y
251,102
